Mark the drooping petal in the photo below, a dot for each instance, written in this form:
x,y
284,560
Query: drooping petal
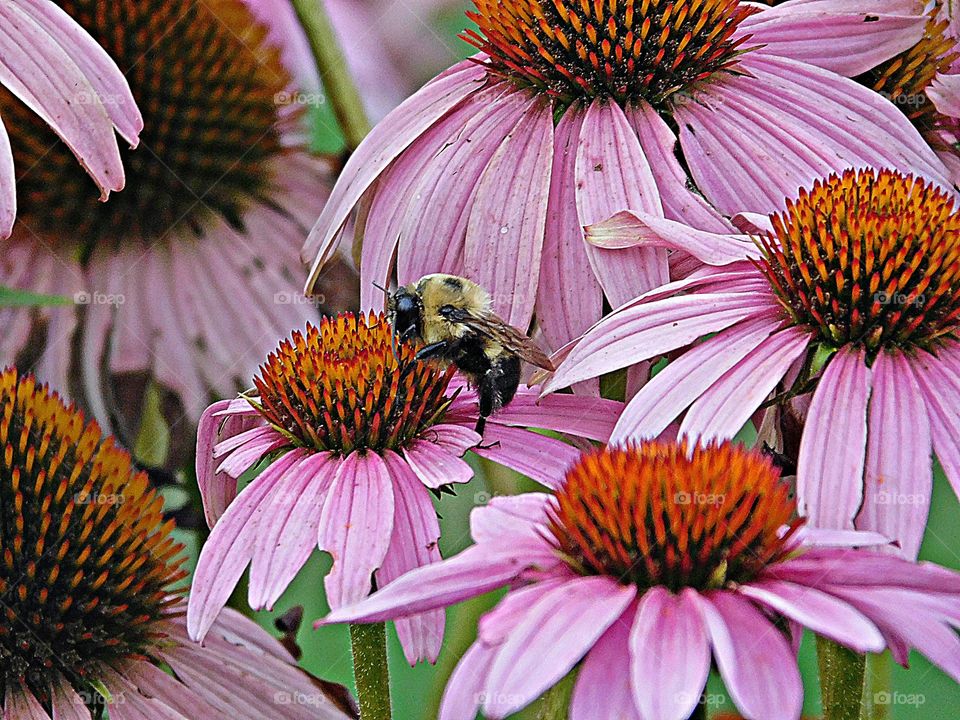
x,y
832,450
384,143
539,457
508,216
66,703
436,466
414,544
569,299
944,91
755,660
722,409
503,519
20,704
356,523
464,692
8,185
940,386
669,655
593,418
603,690
612,174
684,379
898,477
834,34
557,632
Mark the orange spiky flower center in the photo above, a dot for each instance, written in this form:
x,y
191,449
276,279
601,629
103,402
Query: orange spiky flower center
x,y
621,49
658,514
868,258
348,385
206,83
87,564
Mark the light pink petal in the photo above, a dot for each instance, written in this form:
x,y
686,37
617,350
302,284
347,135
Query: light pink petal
x,y
414,544
436,466
20,704
684,379
591,417
755,660
496,626
832,450
898,477
288,531
66,703
721,411
509,214
752,223
612,174
603,690
940,385
752,140
356,523
945,94
847,37
669,655
35,68
541,458
230,546
636,229
659,146
645,330
384,143
256,435
456,439
569,299
503,519
475,571
557,632
8,185
829,537
149,681
818,611
464,692
435,222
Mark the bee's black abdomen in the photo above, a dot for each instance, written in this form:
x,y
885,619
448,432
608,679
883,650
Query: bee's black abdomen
x,y
508,379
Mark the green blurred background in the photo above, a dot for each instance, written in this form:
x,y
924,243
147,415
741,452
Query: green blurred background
x,y
922,692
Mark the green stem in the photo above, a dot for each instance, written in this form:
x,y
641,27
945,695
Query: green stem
x,y
876,691
554,702
841,680
370,670
342,91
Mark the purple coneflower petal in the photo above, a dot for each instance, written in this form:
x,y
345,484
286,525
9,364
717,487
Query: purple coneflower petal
x,y
592,419
8,185
612,174
503,519
145,680
413,544
355,526
829,490
830,33
436,466
722,410
945,94
508,216
217,490
539,457
435,227
288,529
385,142
683,380
464,691
555,634
248,455
453,438
603,690
66,703
20,704
497,625
669,655
940,386
821,612
570,298
898,478
230,546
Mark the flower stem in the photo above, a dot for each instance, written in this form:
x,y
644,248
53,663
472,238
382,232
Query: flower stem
x,y
370,670
876,694
555,701
841,680
344,95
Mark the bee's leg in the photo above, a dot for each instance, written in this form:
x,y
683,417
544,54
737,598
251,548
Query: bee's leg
x,y
438,349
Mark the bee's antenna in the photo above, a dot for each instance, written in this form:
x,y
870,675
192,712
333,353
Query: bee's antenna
x,y
379,287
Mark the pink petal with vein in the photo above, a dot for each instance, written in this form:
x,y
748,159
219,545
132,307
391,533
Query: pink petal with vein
x,y
20,704
464,691
830,466
541,458
591,418
503,519
940,385
603,690
944,91
436,466
8,185
66,703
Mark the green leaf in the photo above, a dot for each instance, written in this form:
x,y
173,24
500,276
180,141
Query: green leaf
x,y
10,297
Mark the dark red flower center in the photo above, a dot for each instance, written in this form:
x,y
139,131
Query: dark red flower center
x,y
868,258
88,567
348,385
658,514
622,49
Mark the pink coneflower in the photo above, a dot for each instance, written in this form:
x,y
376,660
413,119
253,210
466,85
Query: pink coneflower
x,y
60,73
571,113
190,274
648,561
90,589
359,433
855,292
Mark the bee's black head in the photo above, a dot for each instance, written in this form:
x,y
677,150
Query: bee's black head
x,y
407,310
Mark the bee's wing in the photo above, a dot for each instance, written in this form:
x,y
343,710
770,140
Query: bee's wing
x,y
512,339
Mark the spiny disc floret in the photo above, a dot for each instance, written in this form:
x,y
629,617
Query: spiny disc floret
x,y
87,564
659,514
621,49
869,258
348,384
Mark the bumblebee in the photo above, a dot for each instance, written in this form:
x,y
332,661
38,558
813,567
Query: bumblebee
x,y
453,320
